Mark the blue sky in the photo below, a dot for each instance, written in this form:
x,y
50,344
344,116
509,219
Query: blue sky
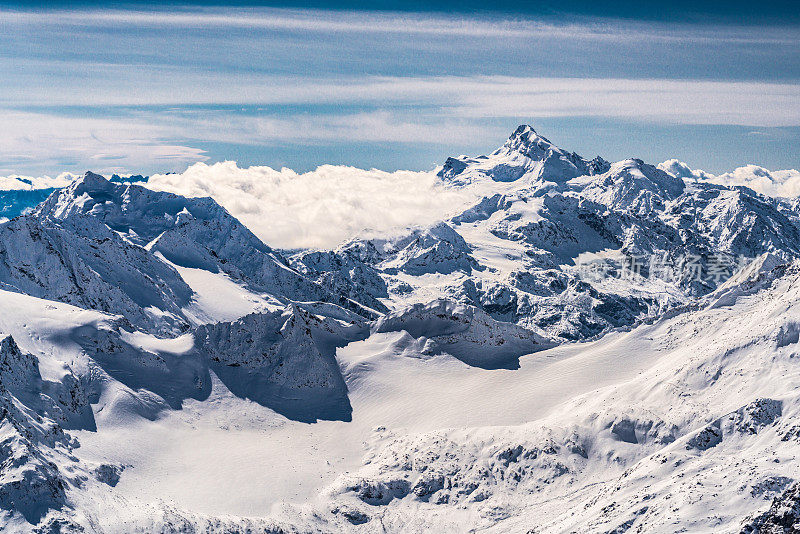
x,y
143,89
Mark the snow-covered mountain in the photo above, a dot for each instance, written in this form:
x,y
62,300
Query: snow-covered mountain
x,y
530,253
589,347
115,248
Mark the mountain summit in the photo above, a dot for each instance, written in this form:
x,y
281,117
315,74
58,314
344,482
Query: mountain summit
x,y
525,154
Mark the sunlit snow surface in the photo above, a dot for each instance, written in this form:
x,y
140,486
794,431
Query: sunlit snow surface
x,y
657,387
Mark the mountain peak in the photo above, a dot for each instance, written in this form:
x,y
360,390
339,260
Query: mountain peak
x,y
525,154
526,132
91,177
523,129
529,143
90,182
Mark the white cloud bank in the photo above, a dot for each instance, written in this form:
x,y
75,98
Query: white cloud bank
x,y
317,209
785,183
324,207
327,206
321,208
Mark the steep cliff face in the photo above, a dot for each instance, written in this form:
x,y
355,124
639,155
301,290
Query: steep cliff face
x,y
284,360
191,232
80,261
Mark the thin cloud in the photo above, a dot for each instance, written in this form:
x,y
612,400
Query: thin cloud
x,y
49,141
305,129
371,22
673,101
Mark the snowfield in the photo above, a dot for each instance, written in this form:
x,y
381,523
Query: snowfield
x,y
586,347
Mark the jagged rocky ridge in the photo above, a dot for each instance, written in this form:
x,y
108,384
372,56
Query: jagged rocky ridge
x,y
37,468
285,360
464,332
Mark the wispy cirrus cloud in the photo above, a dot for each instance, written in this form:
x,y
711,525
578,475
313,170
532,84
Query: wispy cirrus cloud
x,y
46,141
166,132
191,83
677,101
408,23
378,126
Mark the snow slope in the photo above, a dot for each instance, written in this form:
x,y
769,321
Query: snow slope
x,y
700,439
687,423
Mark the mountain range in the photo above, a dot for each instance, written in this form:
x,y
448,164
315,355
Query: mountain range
x,y
589,347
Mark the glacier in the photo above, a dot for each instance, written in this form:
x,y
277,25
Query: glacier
x,y
583,346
